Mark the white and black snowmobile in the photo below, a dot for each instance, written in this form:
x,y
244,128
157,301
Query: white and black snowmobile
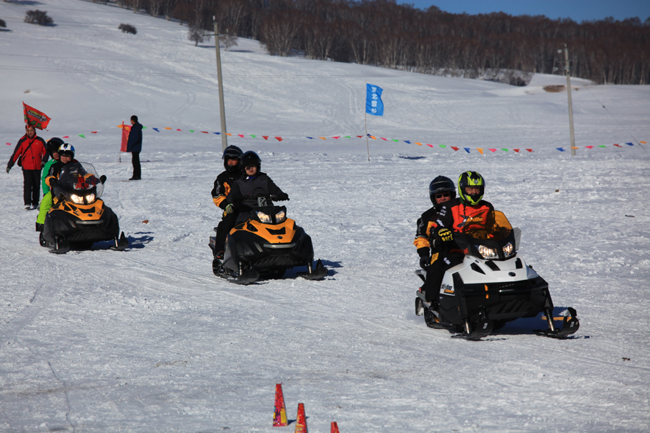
x,y
492,286
79,218
266,246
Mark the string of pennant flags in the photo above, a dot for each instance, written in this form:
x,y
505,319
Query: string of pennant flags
x,y
480,150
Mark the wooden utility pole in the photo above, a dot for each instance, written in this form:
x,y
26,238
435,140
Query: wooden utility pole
x,y
222,107
568,89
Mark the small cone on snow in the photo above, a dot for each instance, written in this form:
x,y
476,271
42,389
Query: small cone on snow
x,y
280,412
301,420
335,427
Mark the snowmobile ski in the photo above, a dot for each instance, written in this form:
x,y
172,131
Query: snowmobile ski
x,y
120,244
481,327
318,273
570,324
246,275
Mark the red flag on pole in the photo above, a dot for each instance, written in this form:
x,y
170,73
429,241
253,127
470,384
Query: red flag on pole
x,y
35,118
125,136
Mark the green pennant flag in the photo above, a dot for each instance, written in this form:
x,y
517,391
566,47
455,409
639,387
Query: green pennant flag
x,y
81,135
191,130
144,127
504,149
395,140
602,145
253,136
347,136
442,145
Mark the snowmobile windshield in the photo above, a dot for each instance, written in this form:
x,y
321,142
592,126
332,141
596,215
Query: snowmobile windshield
x,y
80,179
496,227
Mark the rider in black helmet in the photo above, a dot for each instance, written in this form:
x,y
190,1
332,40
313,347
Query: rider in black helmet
x,y
222,185
252,184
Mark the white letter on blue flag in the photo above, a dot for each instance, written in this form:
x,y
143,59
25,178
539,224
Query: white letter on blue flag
x,y
374,104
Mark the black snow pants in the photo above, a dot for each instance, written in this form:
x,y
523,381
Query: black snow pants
x,y
436,272
31,187
224,227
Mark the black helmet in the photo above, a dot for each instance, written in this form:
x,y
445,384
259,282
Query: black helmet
x,y
232,152
250,159
53,145
441,184
470,178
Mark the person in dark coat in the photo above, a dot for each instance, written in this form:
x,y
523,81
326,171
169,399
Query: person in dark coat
x,y
29,154
134,145
222,186
244,192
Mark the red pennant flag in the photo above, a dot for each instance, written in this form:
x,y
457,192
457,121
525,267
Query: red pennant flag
x,y
337,137
589,147
359,136
35,118
125,136
93,132
266,137
178,129
493,150
278,138
66,136
241,135
530,150
618,145
455,148
516,150
430,145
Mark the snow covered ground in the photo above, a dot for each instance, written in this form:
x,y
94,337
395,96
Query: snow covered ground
x,y
150,340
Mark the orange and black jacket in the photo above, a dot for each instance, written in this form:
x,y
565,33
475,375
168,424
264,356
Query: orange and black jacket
x,y
453,215
222,186
426,229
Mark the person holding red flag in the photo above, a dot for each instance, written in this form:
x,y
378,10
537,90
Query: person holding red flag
x,y
29,154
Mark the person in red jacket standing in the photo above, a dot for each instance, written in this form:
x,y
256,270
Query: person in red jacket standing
x,y
29,154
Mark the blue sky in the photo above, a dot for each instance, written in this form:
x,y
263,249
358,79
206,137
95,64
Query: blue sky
x,y
577,10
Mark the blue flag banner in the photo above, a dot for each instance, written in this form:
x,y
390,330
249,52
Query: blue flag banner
x,y
374,104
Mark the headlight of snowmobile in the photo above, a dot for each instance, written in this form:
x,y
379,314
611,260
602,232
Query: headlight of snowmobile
x,y
508,249
90,198
487,253
264,218
78,199
280,216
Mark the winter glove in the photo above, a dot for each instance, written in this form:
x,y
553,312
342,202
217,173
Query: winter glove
x,y
282,196
102,179
53,182
229,209
425,262
445,235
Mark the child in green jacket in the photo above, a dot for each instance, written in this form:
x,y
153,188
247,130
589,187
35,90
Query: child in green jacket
x,y
46,203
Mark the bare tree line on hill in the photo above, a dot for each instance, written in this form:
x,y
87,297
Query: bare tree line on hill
x,y
383,33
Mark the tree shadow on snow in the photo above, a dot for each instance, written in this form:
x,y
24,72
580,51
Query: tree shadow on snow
x,y
412,157
25,2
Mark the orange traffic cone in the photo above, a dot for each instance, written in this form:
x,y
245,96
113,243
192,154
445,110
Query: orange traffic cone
x,y
301,422
335,427
280,412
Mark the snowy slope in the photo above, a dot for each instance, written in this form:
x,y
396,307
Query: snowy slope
x,y
149,340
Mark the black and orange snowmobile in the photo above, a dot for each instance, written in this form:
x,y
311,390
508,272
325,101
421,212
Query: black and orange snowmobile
x,y
266,246
79,218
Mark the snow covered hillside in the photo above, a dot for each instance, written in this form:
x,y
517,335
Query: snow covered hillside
x,y
150,340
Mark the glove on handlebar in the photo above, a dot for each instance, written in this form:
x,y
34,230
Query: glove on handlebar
x,y
425,262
